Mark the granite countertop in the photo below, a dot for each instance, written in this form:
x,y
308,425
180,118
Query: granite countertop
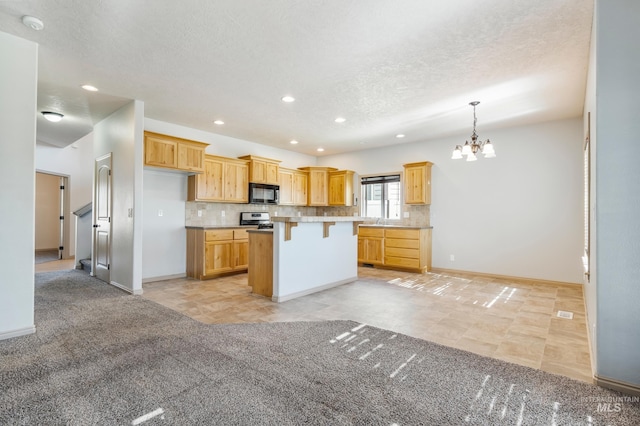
x,y
265,230
222,227
316,219
379,225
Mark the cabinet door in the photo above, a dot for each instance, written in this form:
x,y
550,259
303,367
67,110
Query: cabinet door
x,y
190,157
218,257
318,188
236,182
258,173
271,173
241,254
336,190
300,189
160,152
417,183
286,187
208,186
375,250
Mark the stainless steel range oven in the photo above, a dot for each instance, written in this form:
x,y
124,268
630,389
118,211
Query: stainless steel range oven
x,y
262,219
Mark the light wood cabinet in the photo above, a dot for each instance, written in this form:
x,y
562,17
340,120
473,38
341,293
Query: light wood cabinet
x,y
213,252
395,247
174,153
341,188
262,170
260,276
293,187
224,180
371,245
318,185
417,183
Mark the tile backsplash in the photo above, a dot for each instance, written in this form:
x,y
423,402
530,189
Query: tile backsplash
x,y
212,213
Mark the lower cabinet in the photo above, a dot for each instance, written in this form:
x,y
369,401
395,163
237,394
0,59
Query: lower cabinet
x,y
395,247
212,252
371,245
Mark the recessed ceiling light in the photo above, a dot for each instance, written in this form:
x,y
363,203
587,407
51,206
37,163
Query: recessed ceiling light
x,y
218,122
32,22
320,149
399,136
89,88
293,142
288,99
54,117
340,120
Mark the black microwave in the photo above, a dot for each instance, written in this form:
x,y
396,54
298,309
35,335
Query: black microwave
x,y
262,193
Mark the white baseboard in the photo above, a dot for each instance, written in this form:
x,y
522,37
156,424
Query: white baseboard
x,y
286,297
17,333
163,278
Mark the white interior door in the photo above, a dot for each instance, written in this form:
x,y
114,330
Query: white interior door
x,y
101,258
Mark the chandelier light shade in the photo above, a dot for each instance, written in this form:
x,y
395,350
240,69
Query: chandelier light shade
x,y
471,149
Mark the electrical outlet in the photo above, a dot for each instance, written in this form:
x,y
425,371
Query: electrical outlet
x,y
405,214
160,212
199,213
222,213
452,258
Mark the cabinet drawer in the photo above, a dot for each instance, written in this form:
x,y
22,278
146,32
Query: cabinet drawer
x,y
401,252
240,234
394,242
371,232
409,234
402,262
218,235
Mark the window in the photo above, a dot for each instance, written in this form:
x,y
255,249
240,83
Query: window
x,y
381,196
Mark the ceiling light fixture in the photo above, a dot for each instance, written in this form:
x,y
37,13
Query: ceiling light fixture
x,y
320,149
54,117
89,88
400,136
470,149
288,99
32,22
294,142
340,120
218,122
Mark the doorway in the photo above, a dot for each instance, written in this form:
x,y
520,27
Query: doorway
x,y
51,217
101,258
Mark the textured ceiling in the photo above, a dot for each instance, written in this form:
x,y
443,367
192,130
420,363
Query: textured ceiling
x,y
388,67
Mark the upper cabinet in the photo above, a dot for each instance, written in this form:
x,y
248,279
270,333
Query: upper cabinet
x,y
318,185
262,170
293,187
224,180
173,153
341,188
417,183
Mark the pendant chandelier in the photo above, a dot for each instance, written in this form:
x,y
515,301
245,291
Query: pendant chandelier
x,y
471,149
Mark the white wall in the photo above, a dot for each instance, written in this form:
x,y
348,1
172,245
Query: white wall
x,y
165,238
76,162
168,191
618,198
47,211
121,134
519,214
19,71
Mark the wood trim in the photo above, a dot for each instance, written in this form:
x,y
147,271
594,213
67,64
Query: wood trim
x,y
616,385
287,229
504,277
325,228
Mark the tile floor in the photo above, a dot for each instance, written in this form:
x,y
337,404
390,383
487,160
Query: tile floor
x,y
508,320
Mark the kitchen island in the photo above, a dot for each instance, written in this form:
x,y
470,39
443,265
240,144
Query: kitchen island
x,y
303,255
